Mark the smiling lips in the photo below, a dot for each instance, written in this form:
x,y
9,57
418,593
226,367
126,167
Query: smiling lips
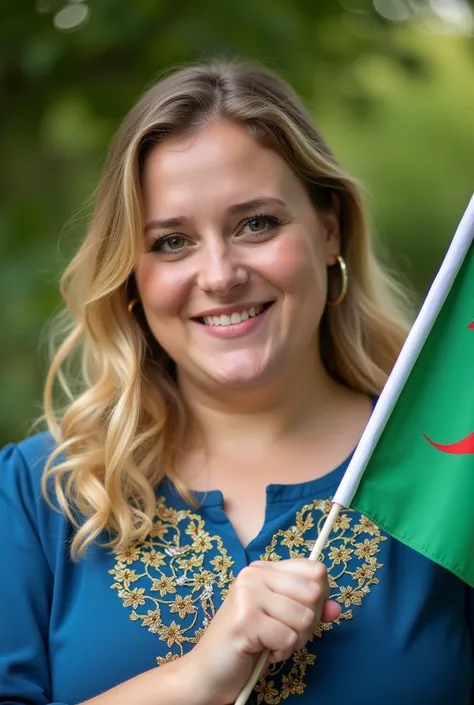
x,y
233,318
234,324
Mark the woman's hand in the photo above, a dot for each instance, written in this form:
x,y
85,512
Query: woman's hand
x,y
273,605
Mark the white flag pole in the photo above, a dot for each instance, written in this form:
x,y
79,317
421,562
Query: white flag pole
x,y
437,295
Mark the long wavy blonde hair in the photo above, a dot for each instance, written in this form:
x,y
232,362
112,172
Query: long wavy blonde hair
x,y
120,421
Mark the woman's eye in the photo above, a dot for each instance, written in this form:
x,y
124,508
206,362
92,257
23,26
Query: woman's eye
x,y
169,244
260,223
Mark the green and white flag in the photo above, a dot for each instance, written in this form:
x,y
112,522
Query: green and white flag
x,y
413,470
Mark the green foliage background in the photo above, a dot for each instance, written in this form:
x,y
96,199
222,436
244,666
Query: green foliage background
x,y
395,100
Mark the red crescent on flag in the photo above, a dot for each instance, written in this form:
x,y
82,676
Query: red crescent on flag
x,y
464,447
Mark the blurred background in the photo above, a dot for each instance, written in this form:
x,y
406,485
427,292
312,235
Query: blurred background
x,y
390,84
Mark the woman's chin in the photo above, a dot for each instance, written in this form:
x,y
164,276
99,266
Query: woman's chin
x,y
242,376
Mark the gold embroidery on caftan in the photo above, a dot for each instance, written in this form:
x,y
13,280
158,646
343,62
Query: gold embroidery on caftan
x,y
174,581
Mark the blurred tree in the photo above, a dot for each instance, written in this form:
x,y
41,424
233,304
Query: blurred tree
x,y
63,94
414,149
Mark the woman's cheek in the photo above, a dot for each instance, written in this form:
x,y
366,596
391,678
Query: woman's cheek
x,y
162,287
293,264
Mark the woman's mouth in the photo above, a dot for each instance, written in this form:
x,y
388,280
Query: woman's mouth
x,y
236,323
235,317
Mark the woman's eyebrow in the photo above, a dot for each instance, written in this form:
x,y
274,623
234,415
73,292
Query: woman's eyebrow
x,y
177,221
168,223
255,203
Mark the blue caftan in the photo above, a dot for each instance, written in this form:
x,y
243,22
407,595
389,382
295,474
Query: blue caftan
x,y
69,631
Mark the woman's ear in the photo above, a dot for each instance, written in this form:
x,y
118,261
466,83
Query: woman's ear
x,y
332,229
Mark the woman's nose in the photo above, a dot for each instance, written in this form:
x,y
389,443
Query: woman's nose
x,y
220,270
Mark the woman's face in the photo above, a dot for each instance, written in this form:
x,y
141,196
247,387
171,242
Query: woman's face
x,y
233,271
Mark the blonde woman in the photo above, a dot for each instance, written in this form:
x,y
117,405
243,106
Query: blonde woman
x,y
228,331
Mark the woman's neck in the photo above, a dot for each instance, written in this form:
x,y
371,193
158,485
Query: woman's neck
x,y
279,412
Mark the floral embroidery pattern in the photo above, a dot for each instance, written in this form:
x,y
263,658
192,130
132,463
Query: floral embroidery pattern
x,y
180,554
350,558
180,544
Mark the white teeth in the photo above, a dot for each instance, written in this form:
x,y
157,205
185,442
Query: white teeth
x,y
234,318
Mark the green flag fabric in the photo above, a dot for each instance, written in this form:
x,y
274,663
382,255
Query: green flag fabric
x,y
418,485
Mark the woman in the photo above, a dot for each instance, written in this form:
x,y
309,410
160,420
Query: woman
x,y
235,329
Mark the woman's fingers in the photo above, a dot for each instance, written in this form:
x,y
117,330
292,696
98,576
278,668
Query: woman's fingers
x,y
304,581
331,611
299,617
274,605
276,636
303,566
297,592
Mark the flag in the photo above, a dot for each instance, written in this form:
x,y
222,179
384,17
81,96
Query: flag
x,y
413,470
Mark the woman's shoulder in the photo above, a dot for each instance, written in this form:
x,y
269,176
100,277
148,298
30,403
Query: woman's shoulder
x,y
34,448
27,519
30,453
22,466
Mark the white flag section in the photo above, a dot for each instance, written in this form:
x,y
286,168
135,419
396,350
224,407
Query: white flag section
x,y
462,241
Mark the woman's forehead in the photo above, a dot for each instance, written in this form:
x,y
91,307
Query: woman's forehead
x,y
221,164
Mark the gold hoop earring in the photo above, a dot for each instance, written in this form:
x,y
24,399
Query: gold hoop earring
x,y
345,281
131,304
